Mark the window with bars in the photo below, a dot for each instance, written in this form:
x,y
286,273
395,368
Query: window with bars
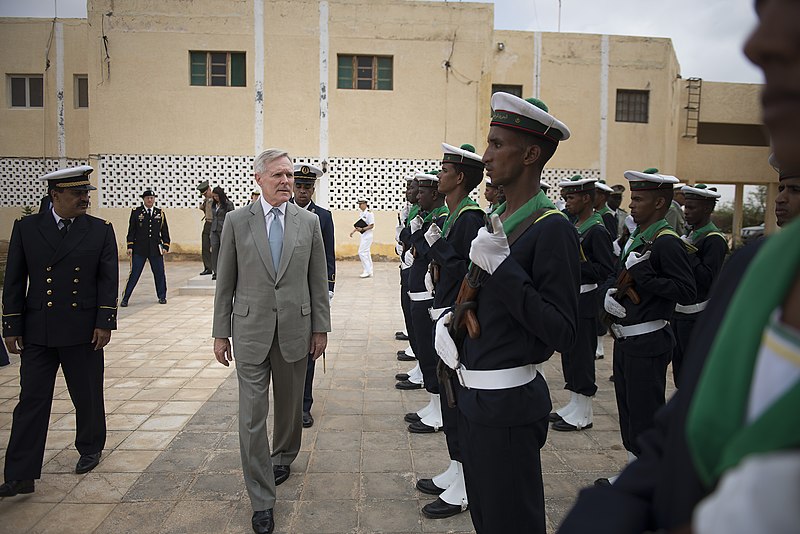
x,y
365,72
632,105
27,91
218,69
81,91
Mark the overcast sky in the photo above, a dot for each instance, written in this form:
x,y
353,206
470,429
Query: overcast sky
x,y
707,34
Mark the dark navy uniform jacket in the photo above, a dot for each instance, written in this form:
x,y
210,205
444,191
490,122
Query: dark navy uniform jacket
x,y
598,267
661,488
526,309
57,290
706,264
662,281
146,233
326,226
611,223
452,255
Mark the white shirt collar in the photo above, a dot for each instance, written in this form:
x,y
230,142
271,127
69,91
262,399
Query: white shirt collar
x,y
58,218
267,207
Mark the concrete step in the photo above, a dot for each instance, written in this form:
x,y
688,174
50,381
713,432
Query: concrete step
x,y
198,285
200,281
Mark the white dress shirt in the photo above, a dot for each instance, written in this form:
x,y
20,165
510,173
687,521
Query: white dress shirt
x,y
268,215
58,219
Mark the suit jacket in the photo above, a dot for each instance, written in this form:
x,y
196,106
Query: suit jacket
x,y
58,289
146,233
326,226
218,221
257,305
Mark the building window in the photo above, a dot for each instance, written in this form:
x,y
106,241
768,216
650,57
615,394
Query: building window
x,y
515,90
365,72
219,69
632,106
81,91
27,91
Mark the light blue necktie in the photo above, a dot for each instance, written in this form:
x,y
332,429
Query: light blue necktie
x,y
276,238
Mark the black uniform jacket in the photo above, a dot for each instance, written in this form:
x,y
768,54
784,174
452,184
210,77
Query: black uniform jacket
x,y
612,225
661,488
146,233
326,226
662,281
57,289
452,255
422,260
598,267
706,264
526,309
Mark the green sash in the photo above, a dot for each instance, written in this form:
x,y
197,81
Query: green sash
x,y
538,202
602,211
703,231
465,205
638,237
593,219
435,213
717,433
413,212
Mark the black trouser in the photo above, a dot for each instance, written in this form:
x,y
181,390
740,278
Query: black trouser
x,y
3,354
425,351
216,238
137,266
578,363
205,242
450,421
503,473
405,304
682,326
639,384
83,372
308,397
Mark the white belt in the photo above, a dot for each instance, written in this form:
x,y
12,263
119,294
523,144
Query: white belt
x,y
436,313
585,288
419,296
496,378
621,332
691,308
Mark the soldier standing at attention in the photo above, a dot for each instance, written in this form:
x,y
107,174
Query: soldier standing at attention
x,y
657,265
59,308
208,215
706,262
413,378
148,240
527,306
601,196
598,265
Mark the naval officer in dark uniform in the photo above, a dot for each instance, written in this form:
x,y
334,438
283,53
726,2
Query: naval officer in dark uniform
x,y
59,308
305,179
148,240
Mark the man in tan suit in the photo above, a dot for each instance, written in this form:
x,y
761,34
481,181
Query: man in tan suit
x,y
272,297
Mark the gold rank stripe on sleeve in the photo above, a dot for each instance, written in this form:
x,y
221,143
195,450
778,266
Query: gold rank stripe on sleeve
x,y
107,307
11,314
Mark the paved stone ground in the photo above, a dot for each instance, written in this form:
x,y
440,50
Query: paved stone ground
x,y
171,463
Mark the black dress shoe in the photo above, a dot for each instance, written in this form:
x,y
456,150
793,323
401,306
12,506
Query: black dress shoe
x,y
421,428
439,509
87,462
403,357
214,277
206,271
281,473
406,385
553,417
262,522
611,378
599,356
412,417
426,485
400,336
602,482
308,420
15,487
563,426
124,303
401,376
162,301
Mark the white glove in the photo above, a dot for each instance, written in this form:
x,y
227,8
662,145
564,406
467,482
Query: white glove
x,y
397,230
635,258
398,249
617,249
612,306
429,282
686,239
445,346
416,224
330,296
433,234
489,250
408,258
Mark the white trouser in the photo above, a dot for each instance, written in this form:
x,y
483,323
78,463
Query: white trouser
x,y
364,252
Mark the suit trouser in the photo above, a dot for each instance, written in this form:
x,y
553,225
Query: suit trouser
x,y
503,473
424,350
308,396
287,387
205,242
83,372
578,362
682,326
215,238
137,266
639,385
364,253
405,304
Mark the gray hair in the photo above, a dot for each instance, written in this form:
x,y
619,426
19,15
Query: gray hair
x,y
268,155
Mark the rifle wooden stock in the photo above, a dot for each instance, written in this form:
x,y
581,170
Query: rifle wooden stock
x,y
465,317
624,285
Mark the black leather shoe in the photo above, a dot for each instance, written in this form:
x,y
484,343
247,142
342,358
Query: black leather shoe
x,y
611,378
162,301
439,509
401,376
403,357
553,417
308,420
602,482
87,462
563,426
405,384
262,522
426,485
124,303
15,487
214,277
599,356
400,336
281,473
421,428
206,271
411,417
